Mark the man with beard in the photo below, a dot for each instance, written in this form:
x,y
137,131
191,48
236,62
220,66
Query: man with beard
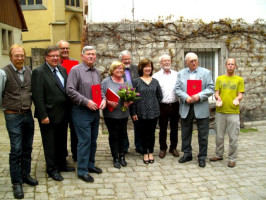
x,y
15,99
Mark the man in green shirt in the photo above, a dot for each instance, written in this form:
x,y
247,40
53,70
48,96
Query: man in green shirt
x,y
229,89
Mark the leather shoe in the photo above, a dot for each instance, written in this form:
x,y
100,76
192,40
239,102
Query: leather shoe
x,y
56,176
86,178
231,164
67,169
96,170
215,158
162,154
185,159
174,152
18,191
29,180
202,163
122,161
116,163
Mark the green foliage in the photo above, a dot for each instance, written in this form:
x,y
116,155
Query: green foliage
x,y
247,130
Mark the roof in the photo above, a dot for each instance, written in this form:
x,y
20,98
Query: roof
x,y
11,14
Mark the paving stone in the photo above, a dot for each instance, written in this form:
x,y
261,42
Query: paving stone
x,y
166,179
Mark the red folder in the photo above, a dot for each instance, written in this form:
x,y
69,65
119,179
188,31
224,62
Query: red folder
x,y
96,94
194,87
111,96
68,64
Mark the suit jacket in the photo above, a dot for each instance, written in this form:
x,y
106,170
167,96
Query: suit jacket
x,y
201,108
49,98
133,69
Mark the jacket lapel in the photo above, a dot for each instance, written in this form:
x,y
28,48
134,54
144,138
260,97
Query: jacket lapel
x,y
52,77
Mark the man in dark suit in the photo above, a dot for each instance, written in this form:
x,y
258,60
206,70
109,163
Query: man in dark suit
x,y
131,72
52,110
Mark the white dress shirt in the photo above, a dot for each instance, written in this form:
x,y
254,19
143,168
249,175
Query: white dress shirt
x,y
167,82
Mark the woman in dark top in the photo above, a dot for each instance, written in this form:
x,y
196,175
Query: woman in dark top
x,y
147,109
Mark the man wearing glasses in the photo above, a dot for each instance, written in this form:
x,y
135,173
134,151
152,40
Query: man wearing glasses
x,y
52,111
64,55
15,99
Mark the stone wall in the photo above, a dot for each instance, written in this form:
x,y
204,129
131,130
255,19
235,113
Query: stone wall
x,y
245,42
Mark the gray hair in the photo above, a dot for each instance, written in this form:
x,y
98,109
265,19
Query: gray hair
x,y
123,53
86,48
190,54
164,56
60,41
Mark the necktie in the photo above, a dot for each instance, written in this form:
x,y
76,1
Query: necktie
x,y
58,80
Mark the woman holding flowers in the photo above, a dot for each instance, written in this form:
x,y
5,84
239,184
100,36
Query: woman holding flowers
x,y
116,119
147,109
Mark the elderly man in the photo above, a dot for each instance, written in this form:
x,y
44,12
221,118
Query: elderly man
x,y
15,99
229,89
64,55
85,111
52,110
194,106
169,106
131,72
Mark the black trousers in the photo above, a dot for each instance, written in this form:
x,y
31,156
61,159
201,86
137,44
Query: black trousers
x,y
203,132
73,139
54,138
147,130
168,112
117,129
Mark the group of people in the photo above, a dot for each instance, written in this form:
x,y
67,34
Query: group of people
x,y
63,99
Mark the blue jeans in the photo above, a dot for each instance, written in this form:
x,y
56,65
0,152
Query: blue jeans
x,y
86,123
20,129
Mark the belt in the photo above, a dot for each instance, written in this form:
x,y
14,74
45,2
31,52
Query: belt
x,y
22,111
169,104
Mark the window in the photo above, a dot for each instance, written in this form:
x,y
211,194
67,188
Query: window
x,y
75,3
22,2
38,1
30,2
7,40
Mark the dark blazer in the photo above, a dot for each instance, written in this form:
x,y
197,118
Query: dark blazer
x,y
133,72
49,98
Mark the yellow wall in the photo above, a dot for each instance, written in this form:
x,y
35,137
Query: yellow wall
x,y
47,27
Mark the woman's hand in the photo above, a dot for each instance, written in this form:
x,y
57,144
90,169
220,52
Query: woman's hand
x,y
127,104
135,117
113,104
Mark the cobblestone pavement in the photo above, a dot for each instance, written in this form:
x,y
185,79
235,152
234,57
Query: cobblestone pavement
x,y
166,179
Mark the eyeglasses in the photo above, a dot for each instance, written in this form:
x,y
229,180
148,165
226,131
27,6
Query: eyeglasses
x,y
19,56
53,56
120,69
65,48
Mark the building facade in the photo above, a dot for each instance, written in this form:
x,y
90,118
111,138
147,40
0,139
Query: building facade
x,y
50,21
12,23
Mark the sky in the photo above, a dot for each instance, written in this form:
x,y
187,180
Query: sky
x,y
207,10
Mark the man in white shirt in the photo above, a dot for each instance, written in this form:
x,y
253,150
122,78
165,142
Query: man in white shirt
x,y
169,106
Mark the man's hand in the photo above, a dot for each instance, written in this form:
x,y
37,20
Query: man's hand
x,y
189,100
127,104
195,98
45,121
102,105
91,105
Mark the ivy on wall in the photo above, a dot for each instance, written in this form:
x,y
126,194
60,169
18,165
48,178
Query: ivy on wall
x,y
237,35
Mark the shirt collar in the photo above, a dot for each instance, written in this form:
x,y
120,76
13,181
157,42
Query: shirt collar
x,y
16,70
52,69
195,71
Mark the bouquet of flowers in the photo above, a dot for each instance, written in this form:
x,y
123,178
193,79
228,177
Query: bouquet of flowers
x,y
127,94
